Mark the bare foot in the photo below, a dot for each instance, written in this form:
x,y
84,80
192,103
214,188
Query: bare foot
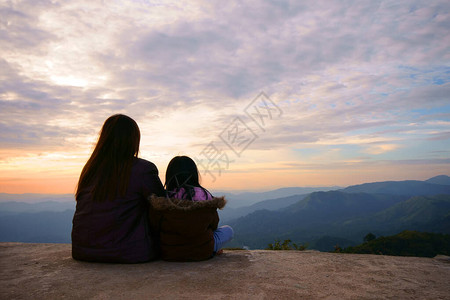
x,y
219,252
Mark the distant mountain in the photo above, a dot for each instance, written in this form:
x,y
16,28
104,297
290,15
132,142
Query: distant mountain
x,y
441,179
407,187
347,216
12,207
272,204
279,203
337,205
236,200
424,213
35,198
316,215
304,215
40,227
47,221
236,208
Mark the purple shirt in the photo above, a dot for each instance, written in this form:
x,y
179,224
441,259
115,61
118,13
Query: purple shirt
x,y
199,194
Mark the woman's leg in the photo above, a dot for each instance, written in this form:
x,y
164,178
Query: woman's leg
x,y
222,235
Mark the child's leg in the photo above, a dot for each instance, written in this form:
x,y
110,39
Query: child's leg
x,y
222,235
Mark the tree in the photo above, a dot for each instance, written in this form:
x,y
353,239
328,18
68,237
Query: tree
x,y
286,246
369,237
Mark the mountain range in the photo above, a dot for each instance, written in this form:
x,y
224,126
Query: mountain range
x,y
245,199
320,217
324,219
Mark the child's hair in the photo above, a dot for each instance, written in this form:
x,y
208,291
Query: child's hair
x,y
181,173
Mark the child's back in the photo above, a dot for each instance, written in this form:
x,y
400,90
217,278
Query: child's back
x,y
187,219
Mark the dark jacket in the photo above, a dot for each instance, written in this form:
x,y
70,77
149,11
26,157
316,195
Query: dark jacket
x,y
118,230
185,227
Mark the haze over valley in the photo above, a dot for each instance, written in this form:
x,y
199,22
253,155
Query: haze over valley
x,y
321,217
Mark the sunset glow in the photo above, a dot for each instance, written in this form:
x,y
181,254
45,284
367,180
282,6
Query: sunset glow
x,y
355,91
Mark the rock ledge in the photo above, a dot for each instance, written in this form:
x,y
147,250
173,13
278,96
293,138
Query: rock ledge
x,y
47,271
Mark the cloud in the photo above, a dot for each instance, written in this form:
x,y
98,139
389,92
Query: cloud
x,y
381,148
439,136
18,30
344,73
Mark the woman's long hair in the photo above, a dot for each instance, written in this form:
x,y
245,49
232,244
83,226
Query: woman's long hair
x,y
108,170
182,172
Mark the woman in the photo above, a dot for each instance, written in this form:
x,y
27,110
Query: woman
x,y
111,218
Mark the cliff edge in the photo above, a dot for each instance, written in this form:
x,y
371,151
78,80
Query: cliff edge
x,y
47,271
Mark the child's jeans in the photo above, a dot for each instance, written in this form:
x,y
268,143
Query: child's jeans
x,y
222,235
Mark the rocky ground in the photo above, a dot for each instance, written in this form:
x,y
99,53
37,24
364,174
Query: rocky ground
x,y
47,271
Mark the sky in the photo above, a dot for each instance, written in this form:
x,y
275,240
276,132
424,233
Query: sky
x,y
262,94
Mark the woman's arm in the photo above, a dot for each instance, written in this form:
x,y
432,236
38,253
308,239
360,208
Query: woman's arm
x,y
154,221
151,183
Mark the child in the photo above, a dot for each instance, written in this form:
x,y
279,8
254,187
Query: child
x,y
187,218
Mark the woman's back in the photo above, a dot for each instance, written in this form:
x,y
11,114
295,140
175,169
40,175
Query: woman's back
x,y
117,230
110,223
